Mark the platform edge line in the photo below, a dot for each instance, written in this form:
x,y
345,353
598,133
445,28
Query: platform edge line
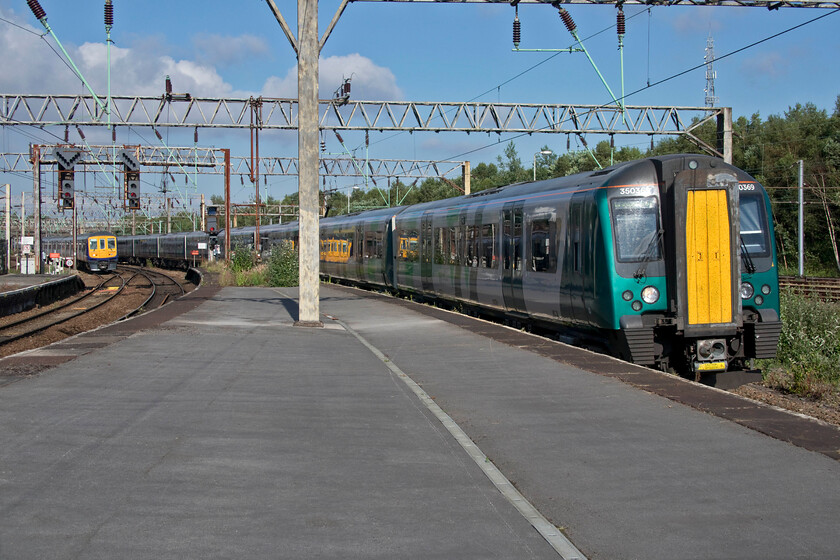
x,y
557,540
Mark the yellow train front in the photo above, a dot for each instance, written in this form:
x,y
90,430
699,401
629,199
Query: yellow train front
x,y
96,252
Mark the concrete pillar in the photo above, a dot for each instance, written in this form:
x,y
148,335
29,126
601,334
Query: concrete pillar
x,y
308,145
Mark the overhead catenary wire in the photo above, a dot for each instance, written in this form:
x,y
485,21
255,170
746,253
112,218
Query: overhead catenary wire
x,y
667,79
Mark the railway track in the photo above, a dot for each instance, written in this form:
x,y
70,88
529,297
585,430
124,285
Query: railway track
x,y
163,288
826,289
128,292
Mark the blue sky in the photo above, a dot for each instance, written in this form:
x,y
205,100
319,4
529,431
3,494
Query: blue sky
x,y
419,52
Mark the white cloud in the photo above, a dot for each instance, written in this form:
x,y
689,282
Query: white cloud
x,y
28,65
369,81
224,50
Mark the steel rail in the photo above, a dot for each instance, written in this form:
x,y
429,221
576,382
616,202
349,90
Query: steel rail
x,y
62,319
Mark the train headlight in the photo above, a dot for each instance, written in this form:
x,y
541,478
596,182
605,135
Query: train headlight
x,y
759,300
650,295
637,305
747,290
704,349
627,295
765,289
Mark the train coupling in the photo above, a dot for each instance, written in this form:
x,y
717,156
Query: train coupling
x,y
710,356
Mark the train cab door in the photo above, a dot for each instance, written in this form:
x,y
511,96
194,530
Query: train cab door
x,y
512,256
707,233
576,258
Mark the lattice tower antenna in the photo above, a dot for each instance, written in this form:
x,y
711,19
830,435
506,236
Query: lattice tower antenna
x,y
711,98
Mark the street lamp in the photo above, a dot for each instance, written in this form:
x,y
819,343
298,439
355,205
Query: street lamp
x,y
541,152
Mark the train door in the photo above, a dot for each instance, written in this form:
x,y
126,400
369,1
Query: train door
x,y
358,243
426,252
389,272
576,258
707,233
512,253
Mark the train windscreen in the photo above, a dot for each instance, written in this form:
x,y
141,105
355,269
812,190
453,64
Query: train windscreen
x,y
636,222
754,225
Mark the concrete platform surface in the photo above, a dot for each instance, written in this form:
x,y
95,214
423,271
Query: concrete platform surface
x,y
227,432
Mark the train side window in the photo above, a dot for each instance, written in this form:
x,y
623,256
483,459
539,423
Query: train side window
x,y
517,240
378,238
488,246
454,252
428,245
543,255
472,236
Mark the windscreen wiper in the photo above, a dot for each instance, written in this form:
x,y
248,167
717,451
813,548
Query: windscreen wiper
x,y
745,256
649,253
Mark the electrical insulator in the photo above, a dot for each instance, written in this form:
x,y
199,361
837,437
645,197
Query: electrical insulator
x,y
567,19
109,14
620,22
81,134
517,30
37,10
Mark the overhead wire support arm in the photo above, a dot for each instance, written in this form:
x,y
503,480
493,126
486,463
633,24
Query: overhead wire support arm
x,y
41,15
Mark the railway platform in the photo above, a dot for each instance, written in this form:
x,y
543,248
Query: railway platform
x,y
214,428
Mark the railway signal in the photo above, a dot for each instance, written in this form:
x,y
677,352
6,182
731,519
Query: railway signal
x,y
66,176
66,184
132,180
212,216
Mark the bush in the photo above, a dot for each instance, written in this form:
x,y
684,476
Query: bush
x,y
808,359
242,259
283,270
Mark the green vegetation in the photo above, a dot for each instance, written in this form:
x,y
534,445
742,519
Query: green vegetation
x,y
808,359
281,270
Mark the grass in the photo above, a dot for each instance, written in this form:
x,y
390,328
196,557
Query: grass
x,y
808,359
281,269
